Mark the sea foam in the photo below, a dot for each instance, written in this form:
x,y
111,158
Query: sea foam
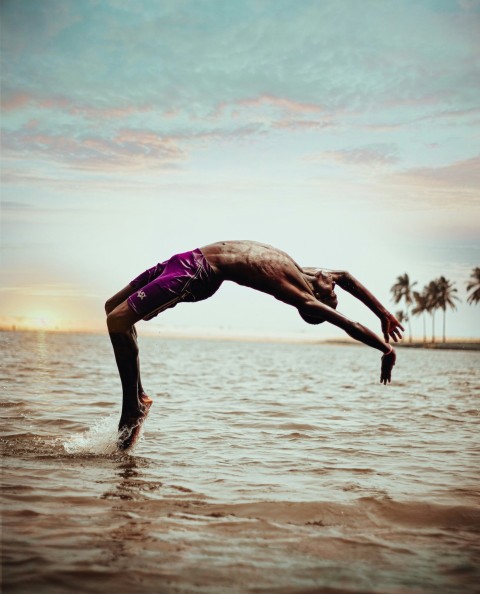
x,y
100,439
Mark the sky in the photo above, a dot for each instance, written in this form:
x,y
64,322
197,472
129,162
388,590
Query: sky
x,y
346,133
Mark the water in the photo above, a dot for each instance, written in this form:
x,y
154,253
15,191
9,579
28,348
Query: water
x,y
273,468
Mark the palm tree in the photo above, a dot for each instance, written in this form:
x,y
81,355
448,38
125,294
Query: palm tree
x,y
474,286
446,296
401,316
420,308
431,294
402,291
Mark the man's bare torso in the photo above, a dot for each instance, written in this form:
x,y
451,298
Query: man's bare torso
x,y
257,265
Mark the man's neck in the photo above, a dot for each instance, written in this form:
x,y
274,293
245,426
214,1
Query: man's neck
x,y
309,275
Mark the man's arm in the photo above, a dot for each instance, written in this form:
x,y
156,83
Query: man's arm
x,y
390,325
358,332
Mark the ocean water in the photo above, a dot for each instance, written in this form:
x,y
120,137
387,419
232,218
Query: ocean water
x,y
262,468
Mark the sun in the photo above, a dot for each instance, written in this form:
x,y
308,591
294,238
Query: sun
x,y
43,320
31,313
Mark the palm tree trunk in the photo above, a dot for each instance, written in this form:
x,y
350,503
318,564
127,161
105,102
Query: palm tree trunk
x,y
433,326
424,329
444,317
409,326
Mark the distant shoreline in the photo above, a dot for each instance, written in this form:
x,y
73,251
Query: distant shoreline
x,y
466,344
454,345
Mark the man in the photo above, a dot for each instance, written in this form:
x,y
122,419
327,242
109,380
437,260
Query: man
x,y
197,275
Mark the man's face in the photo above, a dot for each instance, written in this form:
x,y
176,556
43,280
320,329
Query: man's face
x,y
323,288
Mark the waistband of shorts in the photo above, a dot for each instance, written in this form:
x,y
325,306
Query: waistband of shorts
x,y
204,262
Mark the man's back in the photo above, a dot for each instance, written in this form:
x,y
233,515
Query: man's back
x,y
256,265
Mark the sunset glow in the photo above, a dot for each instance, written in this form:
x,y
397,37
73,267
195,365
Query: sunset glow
x,y
42,320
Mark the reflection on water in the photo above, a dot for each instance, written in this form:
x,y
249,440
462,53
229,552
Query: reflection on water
x,y
128,482
263,467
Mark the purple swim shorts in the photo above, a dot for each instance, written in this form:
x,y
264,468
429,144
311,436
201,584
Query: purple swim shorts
x,y
183,277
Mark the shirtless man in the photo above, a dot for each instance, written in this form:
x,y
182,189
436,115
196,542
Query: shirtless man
x,y
197,275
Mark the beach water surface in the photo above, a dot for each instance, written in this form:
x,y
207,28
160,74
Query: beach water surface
x,y
263,467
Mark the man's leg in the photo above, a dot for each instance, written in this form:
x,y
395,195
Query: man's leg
x,y
110,305
120,322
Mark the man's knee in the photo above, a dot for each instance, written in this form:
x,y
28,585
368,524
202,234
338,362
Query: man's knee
x,y
116,323
117,299
109,305
121,318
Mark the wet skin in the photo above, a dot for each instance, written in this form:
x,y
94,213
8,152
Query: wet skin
x,y
263,268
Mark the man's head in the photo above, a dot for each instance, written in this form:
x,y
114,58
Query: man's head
x,y
324,289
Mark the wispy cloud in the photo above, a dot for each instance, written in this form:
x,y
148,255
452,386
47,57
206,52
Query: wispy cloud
x,y
374,155
300,56
155,81
13,205
57,290
21,100
464,175
451,193
295,125
283,104
128,148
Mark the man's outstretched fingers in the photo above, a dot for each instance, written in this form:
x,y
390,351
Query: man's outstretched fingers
x,y
388,361
397,332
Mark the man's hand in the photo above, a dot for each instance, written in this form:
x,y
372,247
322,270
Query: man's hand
x,y
388,361
391,327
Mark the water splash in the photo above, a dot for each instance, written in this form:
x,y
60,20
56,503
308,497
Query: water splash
x,y
100,439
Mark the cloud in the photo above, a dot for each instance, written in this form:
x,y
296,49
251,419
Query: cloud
x,y
451,193
14,101
281,103
275,112
17,101
279,112
163,140
295,125
470,5
128,149
371,156
45,289
462,175
198,56
13,205
109,85
448,117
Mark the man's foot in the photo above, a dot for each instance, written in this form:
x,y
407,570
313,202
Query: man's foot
x,y
129,429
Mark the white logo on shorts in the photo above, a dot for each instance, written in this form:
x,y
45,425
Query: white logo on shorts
x,y
141,294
